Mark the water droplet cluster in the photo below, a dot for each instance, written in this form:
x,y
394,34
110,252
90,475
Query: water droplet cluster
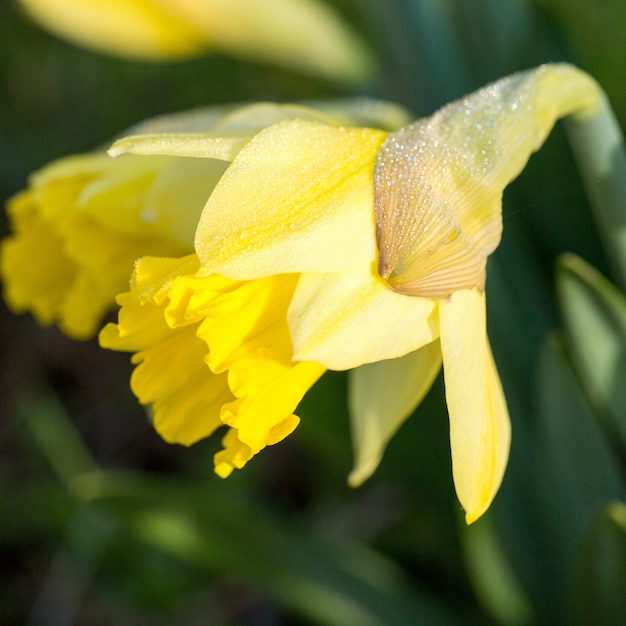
x,y
438,185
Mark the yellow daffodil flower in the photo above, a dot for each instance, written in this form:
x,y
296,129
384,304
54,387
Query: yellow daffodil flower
x,y
304,34
343,248
85,219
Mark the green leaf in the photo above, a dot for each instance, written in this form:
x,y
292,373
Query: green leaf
x,y
55,433
602,573
332,582
599,150
492,575
579,473
594,315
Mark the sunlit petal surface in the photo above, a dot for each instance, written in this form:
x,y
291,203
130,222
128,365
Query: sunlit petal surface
x,y
349,318
480,429
298,198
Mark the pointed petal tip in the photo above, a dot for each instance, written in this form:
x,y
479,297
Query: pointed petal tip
x,y
363,470
472,516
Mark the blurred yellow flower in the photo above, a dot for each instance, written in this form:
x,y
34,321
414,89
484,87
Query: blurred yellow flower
x,y
304,34
77,231
332,247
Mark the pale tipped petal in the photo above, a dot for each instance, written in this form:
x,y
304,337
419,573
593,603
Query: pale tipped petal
x,y
381,396
298,198
181,145
439,182
344,320
480,430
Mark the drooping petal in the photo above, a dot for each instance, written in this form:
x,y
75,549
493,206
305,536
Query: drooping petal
x,y
439,182
381,396
298,198
480,430
344,320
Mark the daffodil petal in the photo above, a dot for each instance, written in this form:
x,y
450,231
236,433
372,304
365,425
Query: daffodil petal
x,y
298,198
439,182
185,183
115,196
381,396
361,111
246,332
480,430
233,119
343,320
181,145
40,287
185,398
198,120
253,118
230,347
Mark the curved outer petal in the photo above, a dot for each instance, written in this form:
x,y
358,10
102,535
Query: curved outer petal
x,y
480,430
298,198
439,182
344,320
381,396
141,29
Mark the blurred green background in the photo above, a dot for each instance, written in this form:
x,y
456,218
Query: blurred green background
x,y
102,523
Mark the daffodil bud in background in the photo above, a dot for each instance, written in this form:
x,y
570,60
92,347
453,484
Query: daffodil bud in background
x,y
84,220
306,35
343,248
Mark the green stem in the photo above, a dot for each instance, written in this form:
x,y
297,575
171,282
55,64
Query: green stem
x,y
598,146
